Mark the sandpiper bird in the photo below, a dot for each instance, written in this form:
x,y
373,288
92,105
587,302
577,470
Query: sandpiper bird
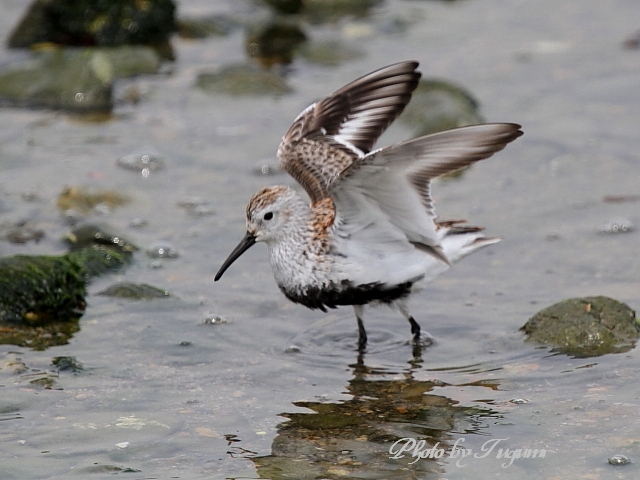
x,y
370,234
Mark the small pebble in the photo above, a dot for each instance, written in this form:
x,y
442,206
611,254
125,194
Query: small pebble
x,y
185,343
292,349
519,401
619,459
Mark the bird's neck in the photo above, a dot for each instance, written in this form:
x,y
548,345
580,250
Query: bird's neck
x,y
300,257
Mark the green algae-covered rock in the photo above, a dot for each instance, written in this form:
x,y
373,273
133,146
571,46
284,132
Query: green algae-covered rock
x,y
98,249
36,289
585,327
438,105
274,42
76,79
95,22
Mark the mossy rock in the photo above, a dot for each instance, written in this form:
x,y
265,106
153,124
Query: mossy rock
x,y
585,327
275,42
37,289
438,105
98,249
95,22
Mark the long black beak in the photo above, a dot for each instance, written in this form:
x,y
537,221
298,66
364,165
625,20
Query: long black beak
x,y
245,244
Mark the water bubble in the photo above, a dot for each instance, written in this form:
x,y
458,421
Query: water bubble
x,y
144,160
212,319
617,225
267,166
619,459
162,250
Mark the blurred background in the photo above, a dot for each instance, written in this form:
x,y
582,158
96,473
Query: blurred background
x,y
132,134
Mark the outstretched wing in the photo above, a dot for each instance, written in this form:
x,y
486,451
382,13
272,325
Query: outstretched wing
x,y
332,134
390,187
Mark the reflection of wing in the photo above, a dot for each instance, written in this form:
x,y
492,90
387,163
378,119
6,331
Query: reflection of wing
x,y
390,187
330,135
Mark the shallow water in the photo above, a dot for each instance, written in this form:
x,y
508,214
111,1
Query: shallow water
x,y
168,396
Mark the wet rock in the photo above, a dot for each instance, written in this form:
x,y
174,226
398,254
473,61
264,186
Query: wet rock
x,y
329,53
585,327
242,80
143,160
438,105
617,225
274,43
161,250
98,249
71,364
619,459
285,6
74,80
56,80
15,366
37,289
95,22
134,291
85,200
216,25
44,380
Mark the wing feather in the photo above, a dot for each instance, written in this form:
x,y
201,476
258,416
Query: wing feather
x,y
330,135
396,180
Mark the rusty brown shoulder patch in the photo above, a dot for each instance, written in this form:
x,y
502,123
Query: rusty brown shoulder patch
x,y
323,214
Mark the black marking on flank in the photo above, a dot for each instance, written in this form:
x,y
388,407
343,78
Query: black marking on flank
x,y
346,293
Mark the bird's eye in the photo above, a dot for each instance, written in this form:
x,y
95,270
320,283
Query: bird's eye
x,y
268,216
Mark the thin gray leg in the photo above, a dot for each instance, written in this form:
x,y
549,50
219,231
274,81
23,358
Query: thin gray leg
x,y
362,333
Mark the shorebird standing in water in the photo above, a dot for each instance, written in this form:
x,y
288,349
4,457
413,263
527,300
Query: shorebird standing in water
x,y
370,234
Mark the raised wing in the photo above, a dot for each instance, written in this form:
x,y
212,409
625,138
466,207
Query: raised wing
x,y
393,183
330,135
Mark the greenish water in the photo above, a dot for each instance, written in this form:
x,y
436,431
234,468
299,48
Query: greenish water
x,y
279,390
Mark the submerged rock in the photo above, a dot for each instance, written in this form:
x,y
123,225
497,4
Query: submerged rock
x,y
242,80
143,160
585,327
85,200
438,105
95,22
98,249
75,80
134,291
274,43
71,364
